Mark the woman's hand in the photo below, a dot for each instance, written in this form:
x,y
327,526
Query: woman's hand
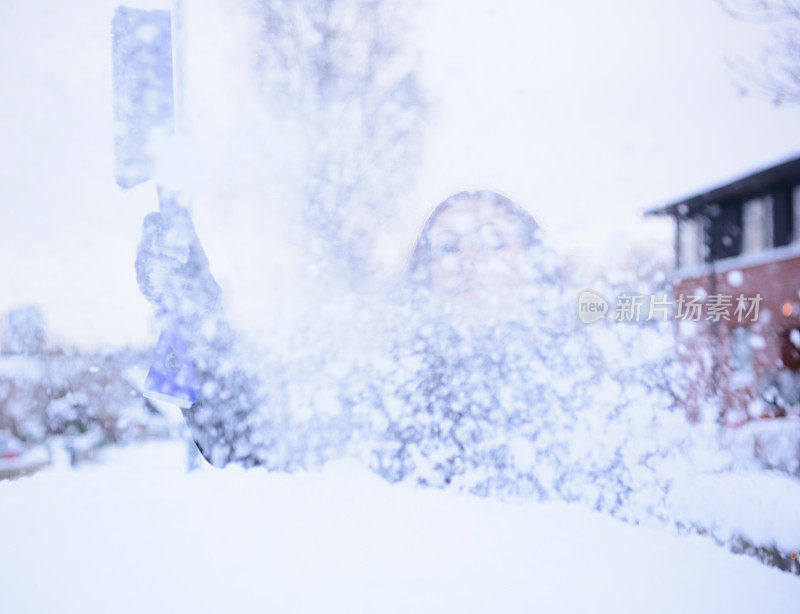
x,y
172,270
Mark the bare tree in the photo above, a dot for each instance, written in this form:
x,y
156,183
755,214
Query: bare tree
x,y
343,67
776,72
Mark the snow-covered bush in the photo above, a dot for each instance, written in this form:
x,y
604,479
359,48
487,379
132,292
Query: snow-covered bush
x,y
70,394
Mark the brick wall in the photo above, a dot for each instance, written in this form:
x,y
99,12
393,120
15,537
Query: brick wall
x,y
773,275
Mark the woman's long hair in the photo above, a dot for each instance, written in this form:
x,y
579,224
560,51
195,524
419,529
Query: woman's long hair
x,y
420,262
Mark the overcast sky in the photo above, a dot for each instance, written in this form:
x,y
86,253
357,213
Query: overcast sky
x,y
584,112
587,112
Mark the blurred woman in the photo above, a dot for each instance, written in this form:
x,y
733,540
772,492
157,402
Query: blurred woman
x,y
284,406
480,253
473,366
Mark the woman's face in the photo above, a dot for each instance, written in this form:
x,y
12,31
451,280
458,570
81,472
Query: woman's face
x,y
476,250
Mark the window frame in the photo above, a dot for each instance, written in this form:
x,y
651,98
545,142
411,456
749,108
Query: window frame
x,y
691,227
764,234
741,366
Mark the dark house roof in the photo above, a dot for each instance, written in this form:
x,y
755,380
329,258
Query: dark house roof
x,y
786,172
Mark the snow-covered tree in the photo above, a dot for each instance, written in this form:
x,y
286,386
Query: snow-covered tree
x,y
344,70
24,332
775,74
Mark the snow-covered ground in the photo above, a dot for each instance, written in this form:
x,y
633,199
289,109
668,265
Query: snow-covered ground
x,y
138,534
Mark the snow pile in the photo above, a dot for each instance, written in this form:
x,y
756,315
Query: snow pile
x,y
774,442
137,534
751,511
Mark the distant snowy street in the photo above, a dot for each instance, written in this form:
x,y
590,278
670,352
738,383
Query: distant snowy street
x,y
136,534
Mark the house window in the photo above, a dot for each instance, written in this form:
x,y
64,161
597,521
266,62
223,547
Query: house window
x,y
757,225
796,214
790,348
741,351
690,233
726,231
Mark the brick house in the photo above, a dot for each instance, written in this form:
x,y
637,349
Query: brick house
x,y
741,240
